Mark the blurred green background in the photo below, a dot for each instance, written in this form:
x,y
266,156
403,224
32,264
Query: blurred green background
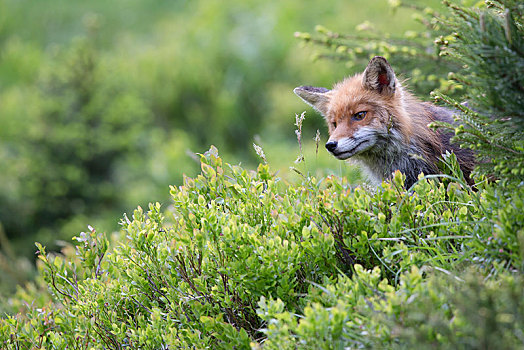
x,y
104,104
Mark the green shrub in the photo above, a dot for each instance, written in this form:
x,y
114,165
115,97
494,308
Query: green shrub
x,y
365,311
413,53
488,41
80,126
243,259
202,273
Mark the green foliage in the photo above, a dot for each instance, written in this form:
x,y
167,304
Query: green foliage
x,y
243,259
365,311
15,269
231,239
413,53
489,43
82,124
464,313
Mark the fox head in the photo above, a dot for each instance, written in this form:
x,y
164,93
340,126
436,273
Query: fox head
x,y
362,111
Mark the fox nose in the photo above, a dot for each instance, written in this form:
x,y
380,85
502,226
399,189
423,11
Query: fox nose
x,y
331,145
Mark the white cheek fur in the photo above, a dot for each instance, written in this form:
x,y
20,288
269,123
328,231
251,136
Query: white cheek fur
x,y
362,139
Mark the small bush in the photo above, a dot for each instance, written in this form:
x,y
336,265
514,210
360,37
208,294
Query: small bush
x,y
243,259
489,43
80,126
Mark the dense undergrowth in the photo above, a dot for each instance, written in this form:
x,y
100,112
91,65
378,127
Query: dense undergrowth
x,y
243,259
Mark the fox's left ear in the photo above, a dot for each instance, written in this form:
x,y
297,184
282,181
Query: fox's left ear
x,y
379,76
317,97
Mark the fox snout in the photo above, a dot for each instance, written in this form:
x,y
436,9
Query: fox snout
x,y
331,146
346,147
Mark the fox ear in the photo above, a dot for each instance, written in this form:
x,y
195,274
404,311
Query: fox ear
x,y
379,76
317,97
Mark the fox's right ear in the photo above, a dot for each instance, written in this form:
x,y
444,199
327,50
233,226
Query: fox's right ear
x,y
317,97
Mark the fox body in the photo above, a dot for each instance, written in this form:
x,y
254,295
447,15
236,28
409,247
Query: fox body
x,y
374,120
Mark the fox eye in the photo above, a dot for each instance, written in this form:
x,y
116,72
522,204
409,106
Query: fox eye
x,y
359,116
334,124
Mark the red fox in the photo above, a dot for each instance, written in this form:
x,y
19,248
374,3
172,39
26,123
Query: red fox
x,y
374,120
